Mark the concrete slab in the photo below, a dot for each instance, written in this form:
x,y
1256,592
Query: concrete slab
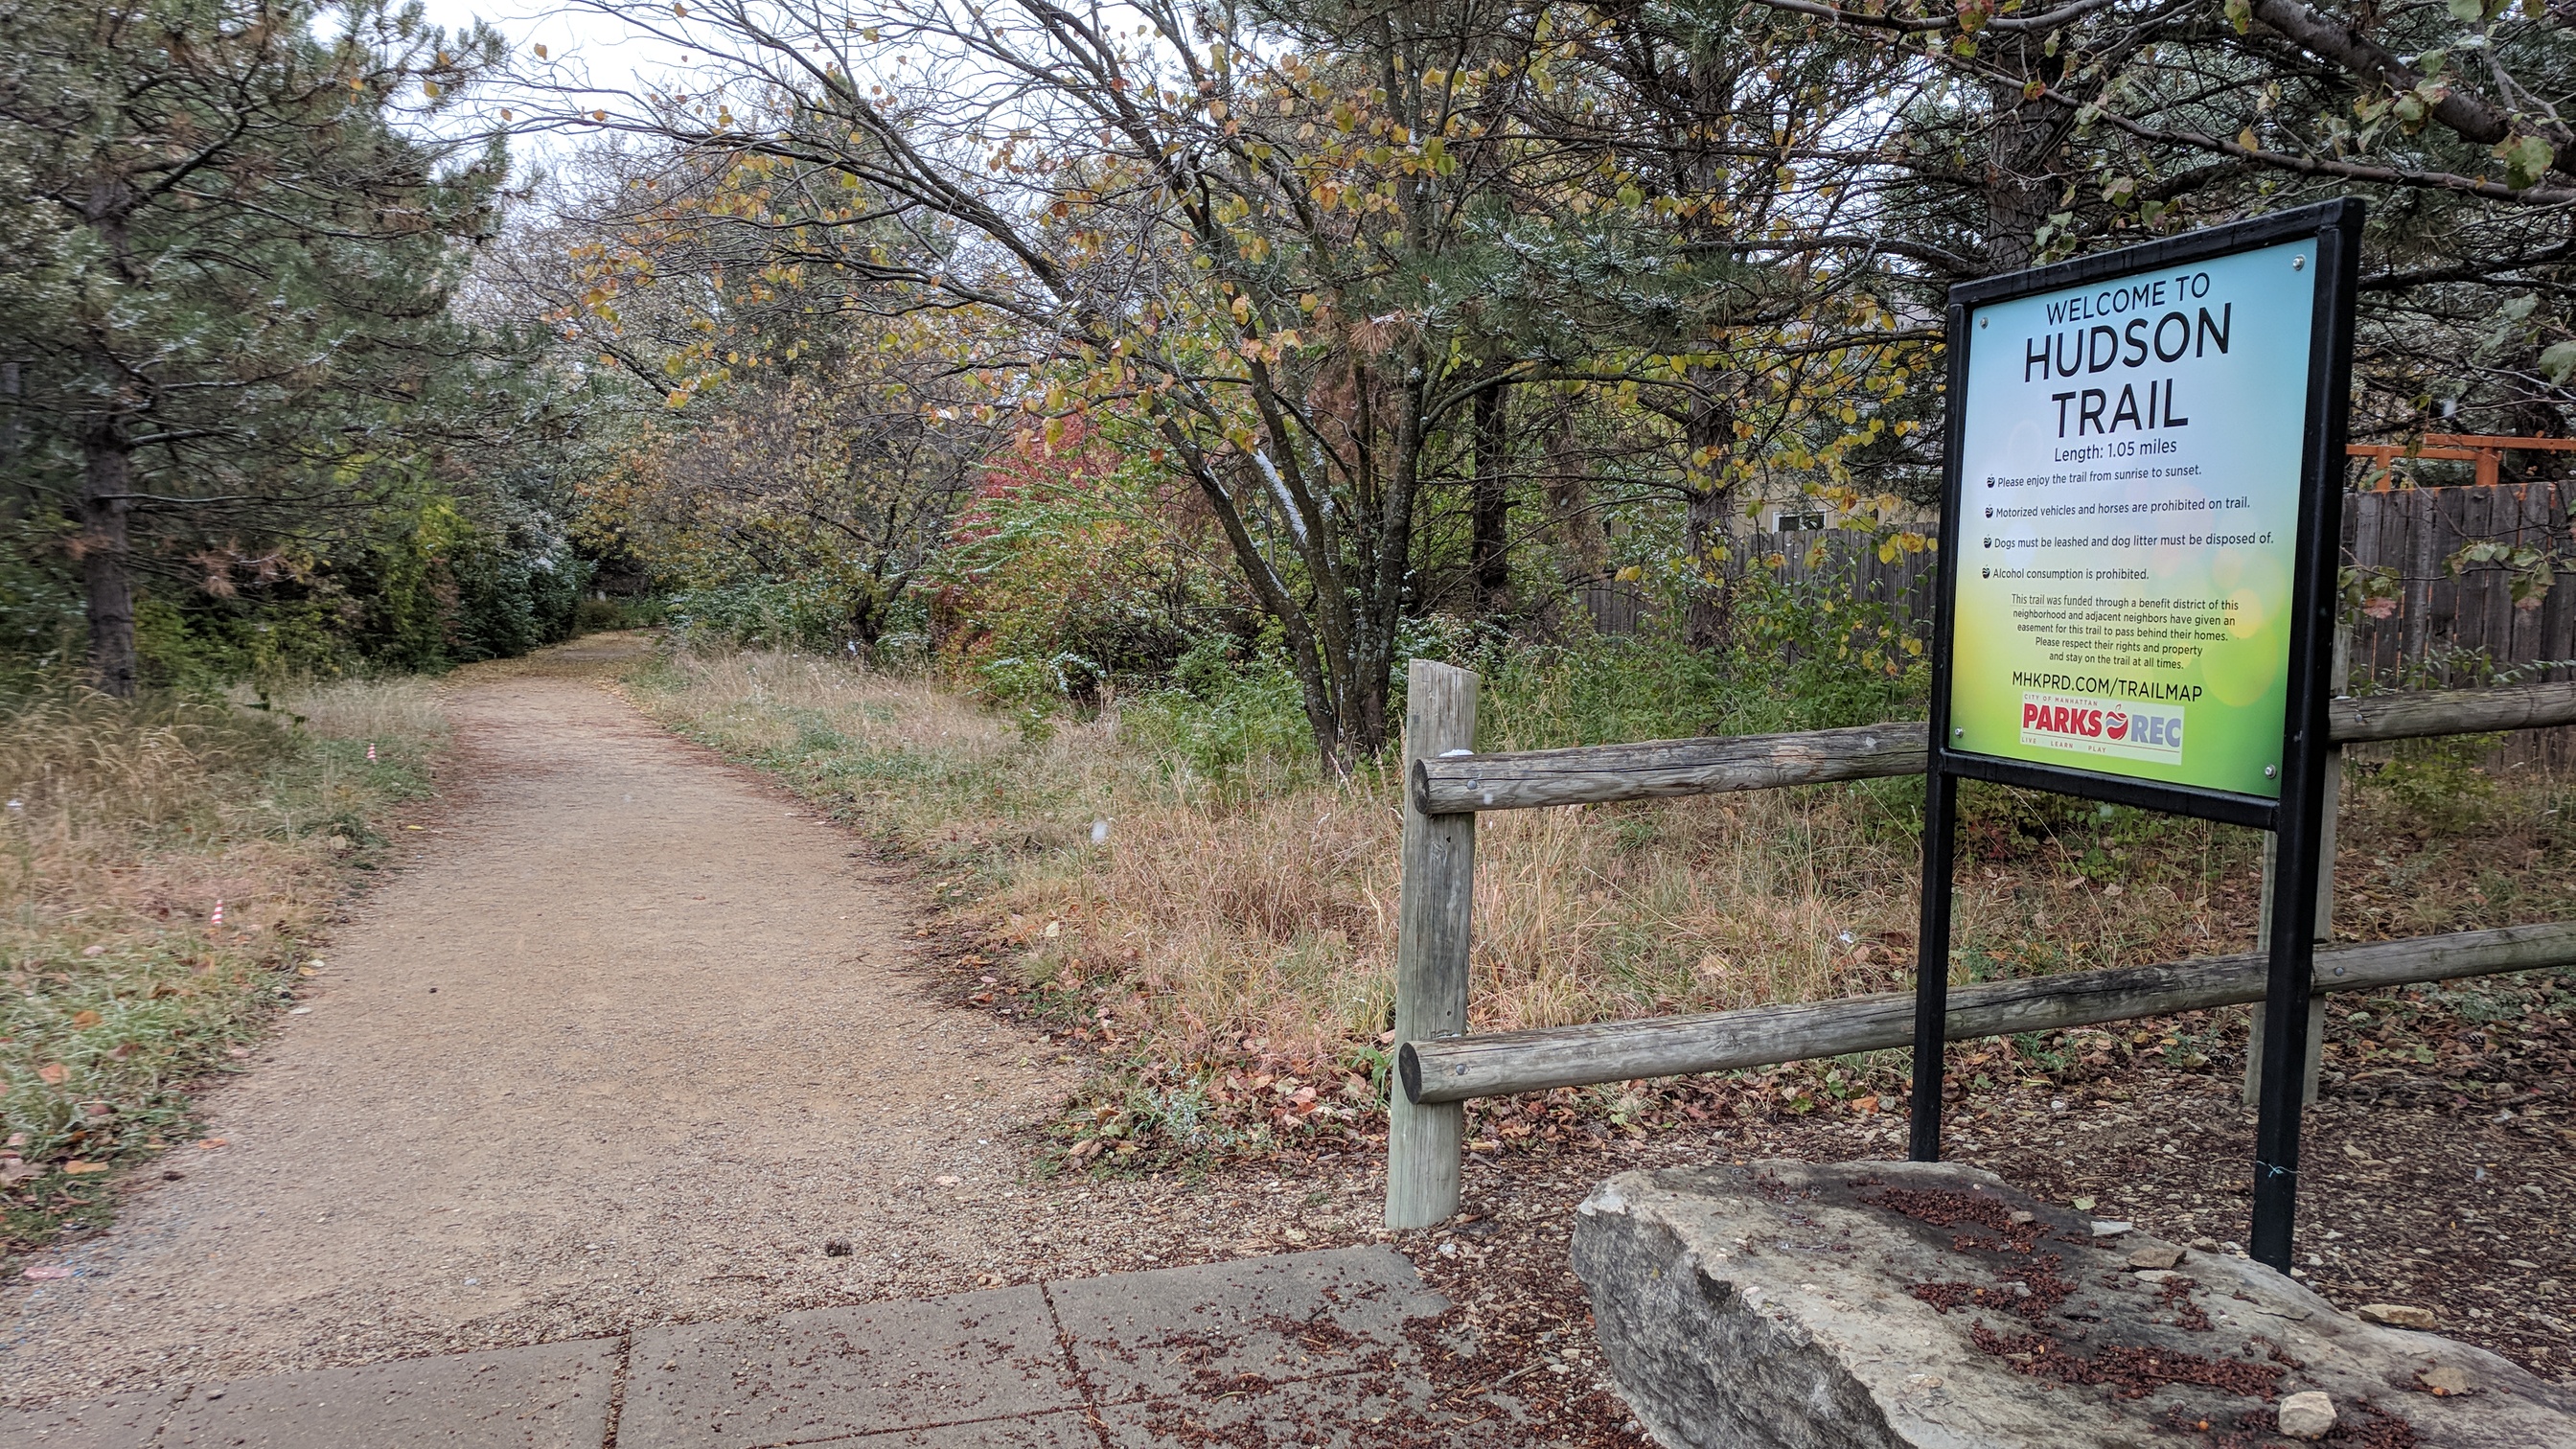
x,y
842,1372
549,1396
1307,1349
1367,1410
127,1421
1245,1324
1068,1429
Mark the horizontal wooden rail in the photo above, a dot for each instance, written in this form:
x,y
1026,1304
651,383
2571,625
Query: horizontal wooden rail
x,y
1455,1069
2485,450
2500,441
2393,451
1599,774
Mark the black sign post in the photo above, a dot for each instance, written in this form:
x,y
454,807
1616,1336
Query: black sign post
x,y
2150,444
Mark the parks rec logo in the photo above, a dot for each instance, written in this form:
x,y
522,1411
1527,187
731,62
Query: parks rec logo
x,y
2102,726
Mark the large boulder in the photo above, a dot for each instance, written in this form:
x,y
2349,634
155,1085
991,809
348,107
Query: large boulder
x,y
1873,1305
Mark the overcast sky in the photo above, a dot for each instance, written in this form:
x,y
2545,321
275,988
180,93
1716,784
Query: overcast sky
x,y
600,48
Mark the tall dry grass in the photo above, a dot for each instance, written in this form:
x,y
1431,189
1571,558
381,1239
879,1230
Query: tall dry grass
x,y
1228,932
123,824
1224,924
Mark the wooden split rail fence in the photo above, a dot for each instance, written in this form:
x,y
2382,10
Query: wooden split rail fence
x,y
1440,1066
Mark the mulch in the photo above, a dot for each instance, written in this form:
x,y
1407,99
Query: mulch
x,y
2454,1191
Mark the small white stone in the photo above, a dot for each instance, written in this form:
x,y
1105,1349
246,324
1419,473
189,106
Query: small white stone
x,y
2307,1416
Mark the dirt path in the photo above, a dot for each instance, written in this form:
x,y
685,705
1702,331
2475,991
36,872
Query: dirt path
x,y
629,1040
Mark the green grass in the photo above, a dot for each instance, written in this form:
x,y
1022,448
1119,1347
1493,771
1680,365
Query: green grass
x,y
130,821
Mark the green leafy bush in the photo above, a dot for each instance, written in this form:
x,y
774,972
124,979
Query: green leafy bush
x,y
807,614
1235,726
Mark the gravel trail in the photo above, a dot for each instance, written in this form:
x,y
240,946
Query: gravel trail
x,y
628,1039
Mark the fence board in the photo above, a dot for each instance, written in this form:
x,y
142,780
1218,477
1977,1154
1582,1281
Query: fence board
x,y
2557,613
2362,527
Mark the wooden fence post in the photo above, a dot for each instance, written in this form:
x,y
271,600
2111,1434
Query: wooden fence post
x,y
2325,904
1433,917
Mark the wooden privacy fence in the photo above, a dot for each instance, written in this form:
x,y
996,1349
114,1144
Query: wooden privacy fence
x,y
2435,629
1439,1067
2439,620
1846,565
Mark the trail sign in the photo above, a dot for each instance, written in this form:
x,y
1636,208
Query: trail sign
x,y
2130,453
2144,469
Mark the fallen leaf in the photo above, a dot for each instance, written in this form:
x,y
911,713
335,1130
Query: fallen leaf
x,y
53,1074
211,1143
86,1018
2081,1204
76,1167
945,1180
47,1273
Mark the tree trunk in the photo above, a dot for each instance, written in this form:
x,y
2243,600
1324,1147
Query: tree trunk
x,y
1573,521
1708,509
1491,506
20,491
2023,180
107,477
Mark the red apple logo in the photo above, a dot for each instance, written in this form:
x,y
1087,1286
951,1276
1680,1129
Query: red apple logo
x,y
2118,723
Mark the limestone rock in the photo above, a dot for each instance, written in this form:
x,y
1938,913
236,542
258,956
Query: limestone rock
x,y
1889,1305
2310,1415
2397,1315
2446,1380
2154,1255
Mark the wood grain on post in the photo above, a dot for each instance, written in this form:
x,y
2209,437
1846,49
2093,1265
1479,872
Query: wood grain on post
x,y
2327,835
1432,926
1502,1063
1599,774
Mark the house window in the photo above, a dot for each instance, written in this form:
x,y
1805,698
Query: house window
x,y
1786,522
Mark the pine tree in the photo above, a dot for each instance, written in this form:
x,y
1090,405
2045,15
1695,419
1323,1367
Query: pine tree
x,y
243,238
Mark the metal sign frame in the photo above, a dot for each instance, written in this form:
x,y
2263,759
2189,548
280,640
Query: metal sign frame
x,y
2298,815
